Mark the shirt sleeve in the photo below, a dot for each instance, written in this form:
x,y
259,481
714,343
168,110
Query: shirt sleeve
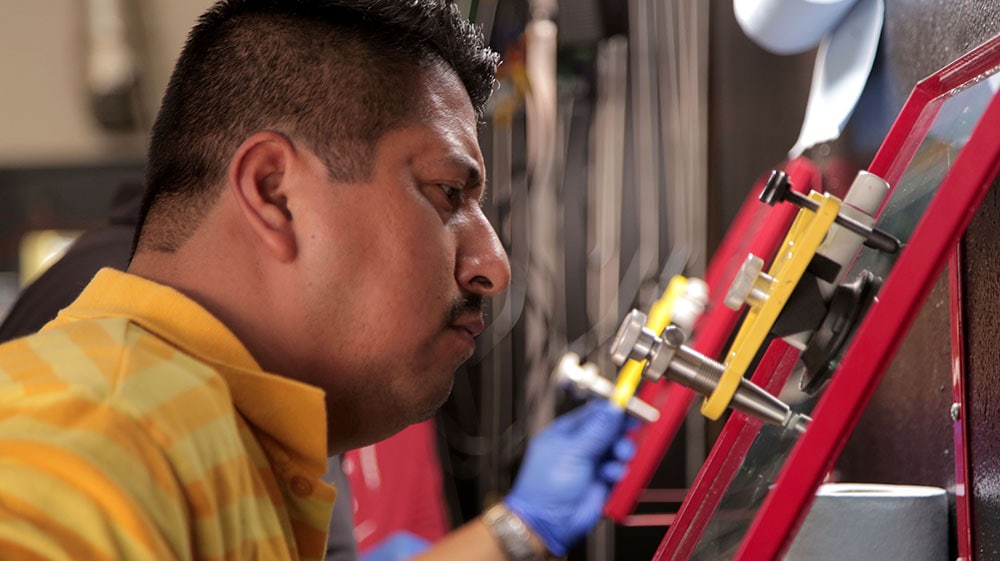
x,y
81,493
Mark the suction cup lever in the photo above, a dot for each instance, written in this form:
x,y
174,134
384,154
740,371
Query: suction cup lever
x,y
779,189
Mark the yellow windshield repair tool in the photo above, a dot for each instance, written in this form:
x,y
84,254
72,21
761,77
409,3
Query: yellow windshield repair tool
x,y
768,294
659,318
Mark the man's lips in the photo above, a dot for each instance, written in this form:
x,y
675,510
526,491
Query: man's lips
x,y
471,323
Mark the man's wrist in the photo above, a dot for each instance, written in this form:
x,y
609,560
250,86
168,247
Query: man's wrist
x,y
516,539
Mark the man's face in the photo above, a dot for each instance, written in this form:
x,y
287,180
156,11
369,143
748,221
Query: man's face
x,y
396,269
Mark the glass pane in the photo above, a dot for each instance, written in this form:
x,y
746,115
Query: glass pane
x,y
957,113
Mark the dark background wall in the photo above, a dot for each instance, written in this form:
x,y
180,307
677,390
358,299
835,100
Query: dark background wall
x,y
905,435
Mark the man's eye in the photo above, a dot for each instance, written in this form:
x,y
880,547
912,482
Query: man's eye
x,y
453,194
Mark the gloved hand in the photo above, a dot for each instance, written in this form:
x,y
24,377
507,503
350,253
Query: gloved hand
x,y
399,546
568,471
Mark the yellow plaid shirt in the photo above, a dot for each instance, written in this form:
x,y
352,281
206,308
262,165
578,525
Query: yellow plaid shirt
x,y
136,426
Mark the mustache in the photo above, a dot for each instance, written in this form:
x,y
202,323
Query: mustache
x,y
464,305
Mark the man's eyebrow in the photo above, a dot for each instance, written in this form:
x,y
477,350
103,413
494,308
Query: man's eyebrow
x,y
474,176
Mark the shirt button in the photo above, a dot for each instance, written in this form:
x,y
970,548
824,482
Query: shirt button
x,y
301,486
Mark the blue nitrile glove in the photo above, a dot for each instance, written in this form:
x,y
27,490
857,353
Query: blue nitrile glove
x,y
568,471
399,546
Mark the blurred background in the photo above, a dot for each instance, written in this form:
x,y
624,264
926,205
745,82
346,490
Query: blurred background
x,y
622,140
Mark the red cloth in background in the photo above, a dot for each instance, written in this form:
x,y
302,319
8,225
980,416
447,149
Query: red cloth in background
x,y
396,485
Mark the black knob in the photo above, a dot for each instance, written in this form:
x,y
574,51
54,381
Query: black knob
x,y
777,188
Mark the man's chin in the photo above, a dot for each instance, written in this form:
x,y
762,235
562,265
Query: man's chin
x,y
433,402
417,413
409,404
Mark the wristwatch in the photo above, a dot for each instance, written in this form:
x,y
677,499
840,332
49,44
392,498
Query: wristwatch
x,y
512,533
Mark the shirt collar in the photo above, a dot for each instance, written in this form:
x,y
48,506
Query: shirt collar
x,y
280,407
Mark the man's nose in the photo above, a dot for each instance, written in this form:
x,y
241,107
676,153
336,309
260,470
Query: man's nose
x,y
482,266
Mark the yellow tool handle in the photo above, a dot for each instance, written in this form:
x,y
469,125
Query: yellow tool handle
x,y
658,319
800,245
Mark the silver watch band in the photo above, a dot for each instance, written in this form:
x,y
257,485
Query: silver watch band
x,y
512,533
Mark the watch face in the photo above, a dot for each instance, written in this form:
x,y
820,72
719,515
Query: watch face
x,y
939,159
512,532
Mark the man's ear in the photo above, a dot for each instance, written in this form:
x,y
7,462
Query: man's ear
x,y
258,180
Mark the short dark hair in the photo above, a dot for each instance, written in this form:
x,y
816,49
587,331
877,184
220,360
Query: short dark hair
x,y
335,75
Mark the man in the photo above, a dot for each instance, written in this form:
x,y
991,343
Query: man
x,y
308,274
109,245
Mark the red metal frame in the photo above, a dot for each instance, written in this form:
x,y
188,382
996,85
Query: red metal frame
x,y
963,504
906,287
757,229
726,456
880,333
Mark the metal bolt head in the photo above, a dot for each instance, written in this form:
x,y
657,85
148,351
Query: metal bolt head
x,y
956,411
570,373
744,282
585,381
628,335
673,336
